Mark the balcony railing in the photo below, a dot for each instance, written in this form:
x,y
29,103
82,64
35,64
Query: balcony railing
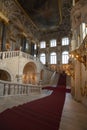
x,y
11,54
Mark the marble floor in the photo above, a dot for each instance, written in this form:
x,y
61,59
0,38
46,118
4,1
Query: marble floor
x,y
74,116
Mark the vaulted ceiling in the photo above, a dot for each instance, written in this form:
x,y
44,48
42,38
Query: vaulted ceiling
x,y
49,15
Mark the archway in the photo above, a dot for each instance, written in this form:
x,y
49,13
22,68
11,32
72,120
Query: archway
x,y
4,75
29,73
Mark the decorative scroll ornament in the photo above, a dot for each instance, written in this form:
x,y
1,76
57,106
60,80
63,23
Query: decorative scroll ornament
x,y
69,70
80,53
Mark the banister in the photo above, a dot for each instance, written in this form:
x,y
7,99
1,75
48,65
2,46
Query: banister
x,y
12,89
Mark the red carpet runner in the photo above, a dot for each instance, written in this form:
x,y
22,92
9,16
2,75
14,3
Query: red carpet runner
x,y
41,114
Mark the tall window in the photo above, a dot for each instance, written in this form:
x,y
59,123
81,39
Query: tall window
x,y
35,46
53,58
65,57
43,58
84,30
65,41
27,45
43,44
53,43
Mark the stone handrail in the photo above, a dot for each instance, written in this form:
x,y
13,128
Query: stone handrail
x,y
12,89
9,54
28,56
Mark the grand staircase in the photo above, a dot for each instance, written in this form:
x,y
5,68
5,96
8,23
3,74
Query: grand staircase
x,y
73,115
41,114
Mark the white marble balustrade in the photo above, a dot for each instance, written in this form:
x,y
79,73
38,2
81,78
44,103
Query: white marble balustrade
x,y
12,89
9,54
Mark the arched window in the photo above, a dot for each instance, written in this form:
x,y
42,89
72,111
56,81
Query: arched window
x,y
43,44
65,57
43,58
53,58
53,43
65,41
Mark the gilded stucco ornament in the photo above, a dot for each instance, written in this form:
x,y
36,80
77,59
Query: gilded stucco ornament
x,y
80,53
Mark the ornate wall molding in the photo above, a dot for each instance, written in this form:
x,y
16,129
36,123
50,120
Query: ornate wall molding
x,y
19,19
79,14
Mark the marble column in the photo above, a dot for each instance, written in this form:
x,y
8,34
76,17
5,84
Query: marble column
x,y
38,77
73,44
37,51
77,80
73,86
47,57
32,48
73,3
24,44
3,38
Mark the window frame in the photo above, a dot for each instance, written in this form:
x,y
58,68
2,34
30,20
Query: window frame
x,y
42,44
65,57
43,58
65,41
53,43
53,58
